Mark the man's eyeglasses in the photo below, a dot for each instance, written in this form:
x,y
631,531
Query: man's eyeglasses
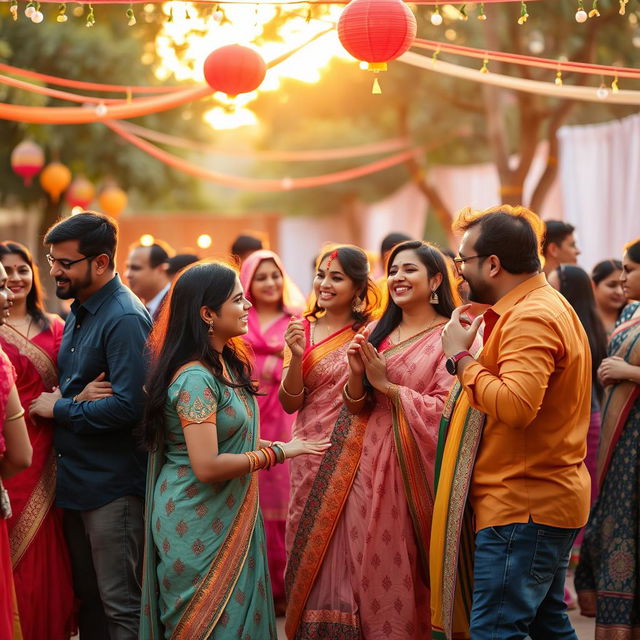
x,y
65,264
459,261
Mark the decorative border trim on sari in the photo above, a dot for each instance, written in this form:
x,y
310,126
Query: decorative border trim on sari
x,y
417,485
318,351
215,590
330,625
27,525
619,399
452,540
38,357
320,515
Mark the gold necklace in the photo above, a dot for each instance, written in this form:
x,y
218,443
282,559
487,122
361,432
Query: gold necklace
x,y
313,333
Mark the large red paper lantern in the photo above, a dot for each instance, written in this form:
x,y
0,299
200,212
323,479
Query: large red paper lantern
x,y
376,31
80,193
234,69
55,178
26,160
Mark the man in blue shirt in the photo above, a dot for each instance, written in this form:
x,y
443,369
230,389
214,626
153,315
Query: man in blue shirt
x,y
101,470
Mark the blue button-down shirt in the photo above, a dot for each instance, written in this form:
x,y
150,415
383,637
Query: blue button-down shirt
x,y
98,457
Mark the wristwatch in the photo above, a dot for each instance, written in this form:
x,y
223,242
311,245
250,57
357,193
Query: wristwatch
x,y
451,364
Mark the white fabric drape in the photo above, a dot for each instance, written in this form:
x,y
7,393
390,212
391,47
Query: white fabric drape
x,y
600,178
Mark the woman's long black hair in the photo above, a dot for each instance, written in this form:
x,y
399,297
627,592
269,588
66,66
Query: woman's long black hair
x,y
435,262
604,269
35,308
355,263
576,287
181,336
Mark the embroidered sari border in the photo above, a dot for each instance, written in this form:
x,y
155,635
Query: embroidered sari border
x,y
321,512
324,348
39,358
215,590
27,525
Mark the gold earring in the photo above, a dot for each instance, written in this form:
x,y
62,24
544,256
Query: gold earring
x,y
357,305
434,299
210,329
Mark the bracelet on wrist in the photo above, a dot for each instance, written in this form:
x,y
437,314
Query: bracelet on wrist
x,y
347,397
16,415
289,394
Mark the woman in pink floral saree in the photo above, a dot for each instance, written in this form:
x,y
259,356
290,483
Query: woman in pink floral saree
x,y
358,566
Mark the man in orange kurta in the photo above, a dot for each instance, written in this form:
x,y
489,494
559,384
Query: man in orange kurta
x,y
530,488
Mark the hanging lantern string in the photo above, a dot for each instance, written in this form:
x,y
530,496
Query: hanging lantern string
x,y
275,2
529,61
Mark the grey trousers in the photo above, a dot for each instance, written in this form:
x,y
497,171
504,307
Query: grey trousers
x,y
106,548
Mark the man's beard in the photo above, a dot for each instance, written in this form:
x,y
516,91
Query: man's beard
x,y
479,292
72,290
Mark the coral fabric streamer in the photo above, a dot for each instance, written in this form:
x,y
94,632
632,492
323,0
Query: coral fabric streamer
x,y
587,94
261,184
529,61
276,155
80,115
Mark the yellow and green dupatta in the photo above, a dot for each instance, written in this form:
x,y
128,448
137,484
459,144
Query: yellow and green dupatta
x,y
452,533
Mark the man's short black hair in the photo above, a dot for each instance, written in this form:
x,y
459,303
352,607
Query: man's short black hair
x,y
96,234
555,232
510,233
180,261
245,244
391,240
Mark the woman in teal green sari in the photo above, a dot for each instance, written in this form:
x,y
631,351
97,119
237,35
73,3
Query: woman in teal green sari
x,y
205,573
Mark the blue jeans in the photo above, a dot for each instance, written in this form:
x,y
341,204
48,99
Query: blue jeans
x,y
518,590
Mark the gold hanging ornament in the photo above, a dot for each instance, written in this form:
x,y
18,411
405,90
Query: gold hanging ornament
x,y
623,7
131,17
482,16
485,66
594,13
91,18
463,12
13,9
614,85
62,13
558,78
524,16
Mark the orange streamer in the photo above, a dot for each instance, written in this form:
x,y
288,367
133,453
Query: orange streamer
x,y
260,184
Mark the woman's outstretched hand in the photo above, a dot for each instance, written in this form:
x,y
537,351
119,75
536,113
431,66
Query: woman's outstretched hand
x,y
296,447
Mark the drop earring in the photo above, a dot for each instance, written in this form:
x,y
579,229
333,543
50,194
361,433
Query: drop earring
x,y
434,299
210,329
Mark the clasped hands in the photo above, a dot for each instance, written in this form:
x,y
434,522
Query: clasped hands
x,y
365,359
44,404
613,370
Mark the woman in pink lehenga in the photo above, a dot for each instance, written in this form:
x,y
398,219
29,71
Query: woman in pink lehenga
x,y
360,555
275,300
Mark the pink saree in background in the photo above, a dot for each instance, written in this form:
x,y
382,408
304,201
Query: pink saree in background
x,y
367,582
267,344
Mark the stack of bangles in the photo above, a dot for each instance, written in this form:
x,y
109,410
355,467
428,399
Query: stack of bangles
x,y
273,454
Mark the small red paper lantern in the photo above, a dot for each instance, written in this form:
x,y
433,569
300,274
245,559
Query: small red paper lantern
x,y
26,160
112,200
55,178
80,193
376,31
234,69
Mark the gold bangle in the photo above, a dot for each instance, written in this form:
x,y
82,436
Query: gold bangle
x,y
289,394
15,416
349,398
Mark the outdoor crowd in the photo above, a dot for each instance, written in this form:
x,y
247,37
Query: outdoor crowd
x,y
407,456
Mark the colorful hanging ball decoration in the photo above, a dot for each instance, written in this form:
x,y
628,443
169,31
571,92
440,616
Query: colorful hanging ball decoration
x,y
55,178
112,200
234,69
26,160
377,31
80,193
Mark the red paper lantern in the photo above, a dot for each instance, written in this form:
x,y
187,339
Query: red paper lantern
x,y
376,31
55,178
80,193
234,69
26,160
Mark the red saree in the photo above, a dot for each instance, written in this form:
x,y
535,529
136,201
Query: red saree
x,y
42,571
